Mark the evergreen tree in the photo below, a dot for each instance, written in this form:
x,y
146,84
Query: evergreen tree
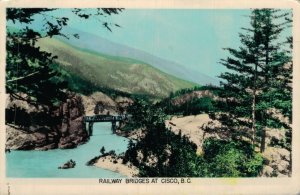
x,y
102,150
258,78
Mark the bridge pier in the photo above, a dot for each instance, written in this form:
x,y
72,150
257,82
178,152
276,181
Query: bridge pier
x,y
113,126
91,128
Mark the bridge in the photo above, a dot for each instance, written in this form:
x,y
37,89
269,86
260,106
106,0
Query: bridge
x,y
104,118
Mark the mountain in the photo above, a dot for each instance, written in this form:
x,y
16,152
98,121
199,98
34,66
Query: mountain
x,y
106,71
96,43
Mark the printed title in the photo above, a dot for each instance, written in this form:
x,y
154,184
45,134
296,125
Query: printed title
x,y
146,181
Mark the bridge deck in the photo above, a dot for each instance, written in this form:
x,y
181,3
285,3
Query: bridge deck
x,y
104,118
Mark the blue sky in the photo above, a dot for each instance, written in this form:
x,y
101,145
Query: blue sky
x,y
193,38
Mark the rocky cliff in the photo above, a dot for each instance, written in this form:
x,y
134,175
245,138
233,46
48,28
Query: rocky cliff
x,y
71,129
41,128
109,105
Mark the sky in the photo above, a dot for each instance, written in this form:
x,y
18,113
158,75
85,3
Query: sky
x,y
192,38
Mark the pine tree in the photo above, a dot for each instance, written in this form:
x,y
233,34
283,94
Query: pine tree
x,y
252,86
275,71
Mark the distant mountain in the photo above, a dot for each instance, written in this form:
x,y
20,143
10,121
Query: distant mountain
x,y
102,45
106,71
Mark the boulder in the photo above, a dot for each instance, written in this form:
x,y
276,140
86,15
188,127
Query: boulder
x,y
284,154
283,167
68,165
267,171
279,160
274,135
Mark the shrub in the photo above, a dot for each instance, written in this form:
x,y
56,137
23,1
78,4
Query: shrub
x,y
231,158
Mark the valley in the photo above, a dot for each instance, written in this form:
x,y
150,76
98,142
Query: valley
x,y
160,118
118,73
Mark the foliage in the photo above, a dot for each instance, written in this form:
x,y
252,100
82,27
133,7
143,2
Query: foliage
x,y
102,150
231,159
162,153
143,111
257,83
259,77
30,70
193,105
213,89
79,85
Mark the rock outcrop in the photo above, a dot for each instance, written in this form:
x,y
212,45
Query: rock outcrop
x,y
192,95
17,139
62,128
41,128
108,105
277,162
71,128
68,165
192,127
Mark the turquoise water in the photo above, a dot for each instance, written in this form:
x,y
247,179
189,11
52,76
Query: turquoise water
x,y
43,164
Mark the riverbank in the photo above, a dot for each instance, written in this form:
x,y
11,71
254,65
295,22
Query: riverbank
x,y
115,164
190,126
44,164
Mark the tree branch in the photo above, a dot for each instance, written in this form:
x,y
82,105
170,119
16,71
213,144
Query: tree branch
x,y
20,78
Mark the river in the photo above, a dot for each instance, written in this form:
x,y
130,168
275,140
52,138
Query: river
x,y
43,164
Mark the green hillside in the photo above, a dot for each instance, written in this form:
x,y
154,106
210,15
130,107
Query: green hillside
x,y
122,74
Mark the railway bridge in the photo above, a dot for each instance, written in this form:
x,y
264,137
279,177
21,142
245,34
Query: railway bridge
x,y
103,118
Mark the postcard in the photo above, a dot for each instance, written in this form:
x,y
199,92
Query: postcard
x,y
150,97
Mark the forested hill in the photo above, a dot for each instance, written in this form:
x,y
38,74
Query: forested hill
x,y
119,73
102,45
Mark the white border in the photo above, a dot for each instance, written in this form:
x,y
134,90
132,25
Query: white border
x,y
199,185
